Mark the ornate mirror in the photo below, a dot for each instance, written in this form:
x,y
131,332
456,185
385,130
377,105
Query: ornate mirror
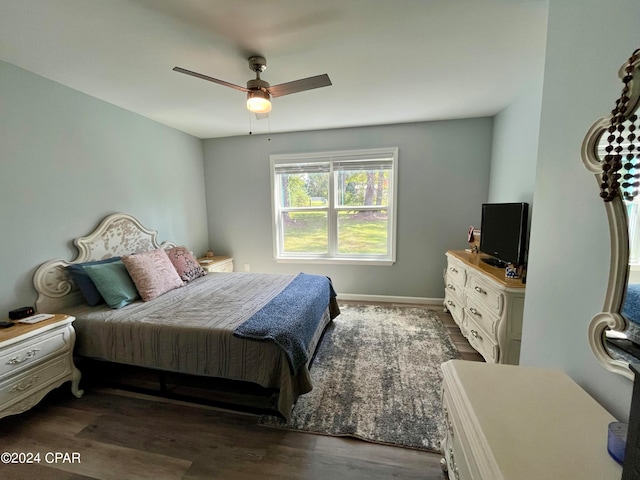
x,y
611,150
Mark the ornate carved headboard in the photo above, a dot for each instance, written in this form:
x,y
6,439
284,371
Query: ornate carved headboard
x,y
118,234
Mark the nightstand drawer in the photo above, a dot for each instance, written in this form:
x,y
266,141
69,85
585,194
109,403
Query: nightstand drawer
x,y
14,359
32,380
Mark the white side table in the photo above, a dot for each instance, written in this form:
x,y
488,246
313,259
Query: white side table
x,y
216,264
35,359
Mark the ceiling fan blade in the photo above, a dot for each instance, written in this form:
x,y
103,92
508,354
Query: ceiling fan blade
x,y
261,116
210,79
299,85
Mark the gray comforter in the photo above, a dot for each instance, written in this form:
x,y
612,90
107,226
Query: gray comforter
x,y
190,330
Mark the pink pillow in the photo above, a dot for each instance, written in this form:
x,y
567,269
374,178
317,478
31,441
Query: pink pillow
x,y
152,272
186,265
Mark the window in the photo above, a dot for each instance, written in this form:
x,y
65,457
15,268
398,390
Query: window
x,y
335,206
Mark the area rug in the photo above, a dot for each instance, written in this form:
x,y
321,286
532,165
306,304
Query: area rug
x,y
377,377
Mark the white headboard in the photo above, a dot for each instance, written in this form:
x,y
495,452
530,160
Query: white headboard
x,y
118,234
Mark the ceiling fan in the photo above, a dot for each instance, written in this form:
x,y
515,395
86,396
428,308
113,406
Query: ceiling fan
x,y
259,92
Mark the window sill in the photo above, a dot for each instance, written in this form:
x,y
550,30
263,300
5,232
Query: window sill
x,y
337,261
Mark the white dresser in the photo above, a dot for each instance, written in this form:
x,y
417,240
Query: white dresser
x,y
486,306
508,422
35,359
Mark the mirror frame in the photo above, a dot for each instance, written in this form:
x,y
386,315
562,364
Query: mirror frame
x,y
611,317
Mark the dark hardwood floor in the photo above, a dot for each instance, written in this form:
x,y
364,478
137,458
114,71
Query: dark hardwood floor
x,y
113,433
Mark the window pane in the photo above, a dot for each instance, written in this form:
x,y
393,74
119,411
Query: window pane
x,y
303,189
363,233
305,232
362,187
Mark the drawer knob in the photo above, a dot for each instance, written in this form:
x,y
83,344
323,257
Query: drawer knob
x,y
456,473
450,286
475,312
448,420
450,303
453,269
478,289
475,334
27,356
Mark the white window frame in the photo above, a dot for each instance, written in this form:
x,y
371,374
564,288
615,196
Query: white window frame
x,y
321,160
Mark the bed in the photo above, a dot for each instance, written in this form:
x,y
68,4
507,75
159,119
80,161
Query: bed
x,y
253,327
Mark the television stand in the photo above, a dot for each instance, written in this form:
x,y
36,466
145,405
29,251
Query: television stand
x,y
494,262
486,306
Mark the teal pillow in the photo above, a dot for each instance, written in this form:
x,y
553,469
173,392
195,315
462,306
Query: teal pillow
x,y
85,285
113,282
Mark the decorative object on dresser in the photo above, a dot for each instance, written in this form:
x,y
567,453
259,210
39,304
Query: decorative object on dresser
x,y
216,264
508,422
35,359
377,377
487,307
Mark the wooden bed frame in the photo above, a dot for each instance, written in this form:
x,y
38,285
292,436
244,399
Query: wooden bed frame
x,y
118,234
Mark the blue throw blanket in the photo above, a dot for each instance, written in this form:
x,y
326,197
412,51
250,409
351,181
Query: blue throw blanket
x,y
291,318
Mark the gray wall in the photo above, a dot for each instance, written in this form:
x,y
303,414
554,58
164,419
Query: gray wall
x,y
443,179
588,40
514,152
67,160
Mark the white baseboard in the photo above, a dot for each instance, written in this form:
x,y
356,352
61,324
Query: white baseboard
x,y
355,297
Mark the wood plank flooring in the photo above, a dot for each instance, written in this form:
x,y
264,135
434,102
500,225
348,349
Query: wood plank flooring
x,y
122,434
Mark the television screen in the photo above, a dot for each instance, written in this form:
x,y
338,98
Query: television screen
x,y
503,232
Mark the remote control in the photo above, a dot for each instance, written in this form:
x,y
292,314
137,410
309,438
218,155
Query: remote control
x,y
36,318
6,324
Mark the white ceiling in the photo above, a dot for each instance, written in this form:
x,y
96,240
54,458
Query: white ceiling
x,y
390,61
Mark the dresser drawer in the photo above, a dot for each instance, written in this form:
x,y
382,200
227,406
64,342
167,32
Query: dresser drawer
x,y
16,358
452,286
478,289
481,340
454,305
456,273
482,315
33,379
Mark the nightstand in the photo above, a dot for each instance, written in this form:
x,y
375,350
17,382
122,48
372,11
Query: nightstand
x,y
216,264
35,359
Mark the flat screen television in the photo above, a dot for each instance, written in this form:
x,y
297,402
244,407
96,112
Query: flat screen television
x,y
503,233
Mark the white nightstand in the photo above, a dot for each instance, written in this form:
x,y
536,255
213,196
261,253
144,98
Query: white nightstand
x,y
35,359
216,264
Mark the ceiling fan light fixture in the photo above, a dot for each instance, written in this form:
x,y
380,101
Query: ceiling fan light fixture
x,y
258,101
